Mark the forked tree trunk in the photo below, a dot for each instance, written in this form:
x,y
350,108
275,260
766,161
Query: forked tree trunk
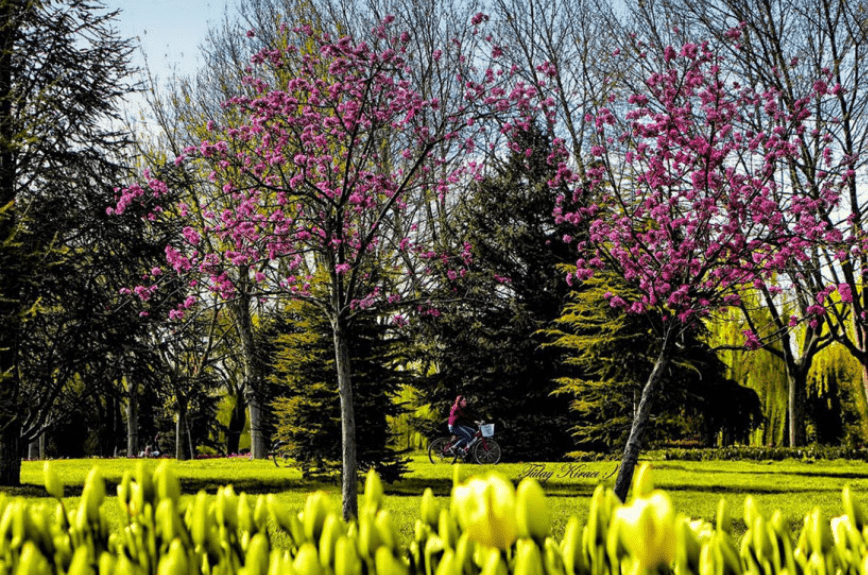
x,y
641,418
349,487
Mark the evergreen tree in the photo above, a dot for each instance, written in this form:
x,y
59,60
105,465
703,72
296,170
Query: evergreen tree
x,y
486,344
308,407
614,353
62,70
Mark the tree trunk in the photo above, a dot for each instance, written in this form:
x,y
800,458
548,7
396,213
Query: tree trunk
x,y
132,412
641,418
253,392
797,390
236,425
10,424
349,487
181,433
33,449
10,456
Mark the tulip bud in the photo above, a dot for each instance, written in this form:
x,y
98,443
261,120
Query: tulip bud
x,y
369,535
306,560
145,481
386,530
531,510
260,513
447,529
707,563
165,518
819,535
724,518
256,557
642,485
199,520
527,558
751,511
430,508
553,558
447,564
227,507
572,547
687,546
598,516
245,515
486,510
647,528
107,563
316,508
332,530
493,564
175,561
853,509
347,560
373,490
93,494
124,490
80,562
280,564
53,484
166,483
31,561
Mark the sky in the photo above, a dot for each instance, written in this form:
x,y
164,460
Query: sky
x,y
169,31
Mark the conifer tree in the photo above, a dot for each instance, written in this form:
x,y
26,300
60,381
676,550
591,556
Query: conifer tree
x,y
487,342
62,70
307,409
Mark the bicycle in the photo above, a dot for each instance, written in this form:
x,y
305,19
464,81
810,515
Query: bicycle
x,y
484,449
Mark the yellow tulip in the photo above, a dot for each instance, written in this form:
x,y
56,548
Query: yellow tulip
x,y
486,510
647,529
531,510
373,490
306,560
53,484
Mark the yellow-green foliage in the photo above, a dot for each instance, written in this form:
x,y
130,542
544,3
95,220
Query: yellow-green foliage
x,y
488,528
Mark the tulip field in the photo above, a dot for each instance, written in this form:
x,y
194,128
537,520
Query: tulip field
x,y
792,487
518,519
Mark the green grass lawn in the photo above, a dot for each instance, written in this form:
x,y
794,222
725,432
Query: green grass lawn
x,y
793,487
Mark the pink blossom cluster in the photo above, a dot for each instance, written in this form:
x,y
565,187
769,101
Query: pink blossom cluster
x,y
685,198
329,147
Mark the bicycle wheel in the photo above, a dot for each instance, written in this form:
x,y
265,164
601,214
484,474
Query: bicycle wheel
x,y
279,455
437,451
487,452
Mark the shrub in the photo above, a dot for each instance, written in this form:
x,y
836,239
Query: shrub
x,y
489,528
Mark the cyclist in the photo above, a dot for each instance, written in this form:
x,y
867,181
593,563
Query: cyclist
x,y
459,416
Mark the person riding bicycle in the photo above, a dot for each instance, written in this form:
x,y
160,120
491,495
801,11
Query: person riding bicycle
x,y
459,417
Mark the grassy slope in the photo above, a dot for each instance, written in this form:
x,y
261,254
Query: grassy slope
x,y
793,487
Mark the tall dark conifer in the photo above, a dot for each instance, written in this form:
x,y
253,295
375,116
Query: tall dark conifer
x,y
62,70
487,342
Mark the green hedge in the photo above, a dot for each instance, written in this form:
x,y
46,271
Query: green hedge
x,y
489,528
741,453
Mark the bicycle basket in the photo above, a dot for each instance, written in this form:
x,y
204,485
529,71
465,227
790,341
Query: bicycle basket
x,y
487,430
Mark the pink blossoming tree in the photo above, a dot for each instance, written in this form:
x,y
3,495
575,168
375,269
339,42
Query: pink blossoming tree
x,y
686,204
320,172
